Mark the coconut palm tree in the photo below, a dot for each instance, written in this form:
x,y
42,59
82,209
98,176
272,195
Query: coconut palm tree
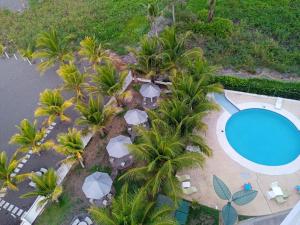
x,y
46,186
174,50
70,145
7,169
73,79
53,105
108,81
148,57
184,87
164,154
211,10
30,138
179,116
92,51
132,209
52,49
94,115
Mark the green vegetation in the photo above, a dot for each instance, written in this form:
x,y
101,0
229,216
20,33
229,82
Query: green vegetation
x,y
56,213
246,34
203,215
261,86
119,22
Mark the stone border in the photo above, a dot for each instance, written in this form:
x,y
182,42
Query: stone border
x,y
258,168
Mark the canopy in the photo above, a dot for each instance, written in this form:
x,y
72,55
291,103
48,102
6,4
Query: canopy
x,y
117,146
135,117
97,185
150,90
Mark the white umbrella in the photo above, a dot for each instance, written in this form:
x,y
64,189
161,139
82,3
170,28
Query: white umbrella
x,y
117,146
150,90
135,117
97,185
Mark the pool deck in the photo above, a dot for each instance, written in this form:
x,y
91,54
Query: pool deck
x,y
235,175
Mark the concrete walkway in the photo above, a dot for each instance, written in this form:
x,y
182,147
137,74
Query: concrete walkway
x,y
275,219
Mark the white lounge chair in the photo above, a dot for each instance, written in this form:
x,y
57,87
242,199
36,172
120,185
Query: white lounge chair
x,y
190,190
88,220
278,103
270,195
43,170
274,184
183,177
76,222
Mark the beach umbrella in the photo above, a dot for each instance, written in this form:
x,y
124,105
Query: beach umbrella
x,y
97,185
150,90
117,146
135,117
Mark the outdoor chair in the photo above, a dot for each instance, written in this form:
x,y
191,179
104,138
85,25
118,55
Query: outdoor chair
x,y
270,195
43,170
190,190
286,194
280,199
88,220
182,178
274,184
75,222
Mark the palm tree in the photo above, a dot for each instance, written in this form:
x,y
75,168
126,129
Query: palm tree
x,y
174,50
7,169
164,154
30,138
27,52
108,81
92,51
53,105
211,9
52,49
70,145
132,209
94,114
46,186
184,87
73,79
148,57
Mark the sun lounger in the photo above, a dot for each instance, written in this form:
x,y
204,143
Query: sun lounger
x,y
32,184
88,220
270,195
274,184
190,190
286,194
43,170
278,103
2,195
76,222
184,177
280,199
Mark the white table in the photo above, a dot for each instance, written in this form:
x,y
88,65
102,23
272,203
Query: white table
x,y
186,184
277,191
82,223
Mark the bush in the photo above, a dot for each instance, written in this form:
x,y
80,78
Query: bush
x,y
261,86
219,27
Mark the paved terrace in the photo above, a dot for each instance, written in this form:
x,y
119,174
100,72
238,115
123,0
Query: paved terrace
x,y
19,93
235,175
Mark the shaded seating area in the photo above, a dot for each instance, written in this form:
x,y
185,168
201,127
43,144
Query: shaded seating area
x,y
118,152
180,213
97,187
150,93
186,186
135,118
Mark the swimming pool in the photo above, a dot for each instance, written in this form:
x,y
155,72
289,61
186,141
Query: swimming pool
x,y
264,137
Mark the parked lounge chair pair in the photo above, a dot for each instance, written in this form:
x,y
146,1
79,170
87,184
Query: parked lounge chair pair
x,y
185,178
280,195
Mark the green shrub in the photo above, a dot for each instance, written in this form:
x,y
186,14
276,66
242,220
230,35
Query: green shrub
x,y
1,49
261,86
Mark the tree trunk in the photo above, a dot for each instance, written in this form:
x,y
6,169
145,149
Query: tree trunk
x,y
211,10
81,163
173,13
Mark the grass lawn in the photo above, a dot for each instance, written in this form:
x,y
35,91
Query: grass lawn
x,y
55,214
119,22
265,34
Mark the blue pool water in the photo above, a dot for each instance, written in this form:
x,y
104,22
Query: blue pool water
x,y
263,137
